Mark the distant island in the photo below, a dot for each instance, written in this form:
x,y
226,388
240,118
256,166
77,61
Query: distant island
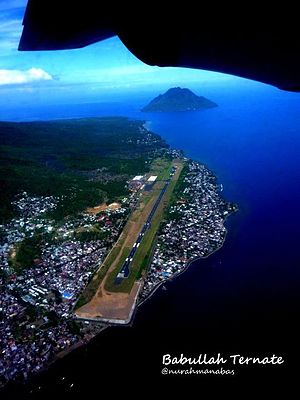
x,y
178,99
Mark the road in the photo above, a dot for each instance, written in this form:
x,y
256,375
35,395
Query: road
x,y
124,272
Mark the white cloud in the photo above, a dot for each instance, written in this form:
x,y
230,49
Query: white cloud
x,y
15,76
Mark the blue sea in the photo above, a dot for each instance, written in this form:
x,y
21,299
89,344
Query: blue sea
x,y
244,299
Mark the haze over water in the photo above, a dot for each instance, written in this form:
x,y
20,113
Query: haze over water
x,y
245,297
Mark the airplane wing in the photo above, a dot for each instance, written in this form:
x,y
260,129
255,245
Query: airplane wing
x,y
156,38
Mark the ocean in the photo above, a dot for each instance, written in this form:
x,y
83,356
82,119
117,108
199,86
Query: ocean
x,y
244,299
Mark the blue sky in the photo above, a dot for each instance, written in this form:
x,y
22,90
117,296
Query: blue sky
x,y
101,70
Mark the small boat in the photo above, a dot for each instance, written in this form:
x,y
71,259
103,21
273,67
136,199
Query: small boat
x,y
164,288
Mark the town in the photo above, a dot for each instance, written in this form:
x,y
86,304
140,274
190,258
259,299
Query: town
x,y
194,227
37,301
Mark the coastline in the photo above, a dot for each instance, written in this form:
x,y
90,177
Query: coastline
x,y
86,339
94,328
184,269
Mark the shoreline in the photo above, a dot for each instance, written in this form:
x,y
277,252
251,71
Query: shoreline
x,y
184,269
86,340
97,327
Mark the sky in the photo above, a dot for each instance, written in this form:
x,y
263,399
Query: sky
x,y
103,69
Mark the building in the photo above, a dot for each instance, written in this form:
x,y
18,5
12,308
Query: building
x,y
136,183
151,179
138,178
150,182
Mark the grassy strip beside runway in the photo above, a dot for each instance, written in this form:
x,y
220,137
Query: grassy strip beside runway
x,y
91,288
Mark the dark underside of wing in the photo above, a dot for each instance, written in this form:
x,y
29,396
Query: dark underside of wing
x,y
156,38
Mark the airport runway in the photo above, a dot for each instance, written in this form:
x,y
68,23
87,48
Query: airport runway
x,y
124,272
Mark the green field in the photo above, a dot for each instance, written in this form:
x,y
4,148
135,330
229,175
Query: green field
x,y
28,251
91,288
25,253
110,282
161,167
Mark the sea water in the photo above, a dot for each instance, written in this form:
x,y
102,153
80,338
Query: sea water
x,y
244,298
